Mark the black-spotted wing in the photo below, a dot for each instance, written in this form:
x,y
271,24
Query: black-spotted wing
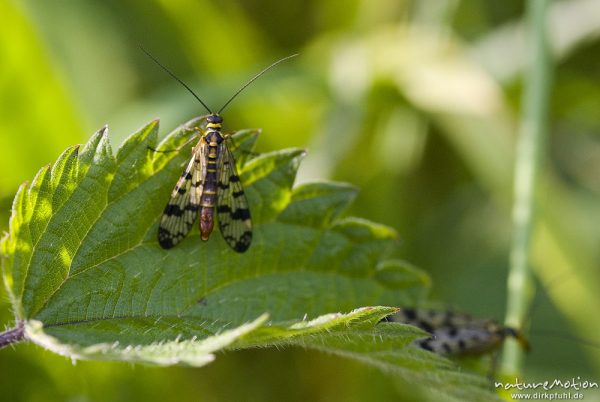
x,y
232,206
182,209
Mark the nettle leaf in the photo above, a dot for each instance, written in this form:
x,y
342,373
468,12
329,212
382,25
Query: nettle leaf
x,y
87,278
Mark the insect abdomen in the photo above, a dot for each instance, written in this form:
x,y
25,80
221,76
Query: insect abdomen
x,y
456,334
209,194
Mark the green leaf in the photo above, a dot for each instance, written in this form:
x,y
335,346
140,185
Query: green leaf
x,y
88,279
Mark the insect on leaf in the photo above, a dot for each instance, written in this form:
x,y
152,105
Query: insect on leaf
x,y
209,182
88,279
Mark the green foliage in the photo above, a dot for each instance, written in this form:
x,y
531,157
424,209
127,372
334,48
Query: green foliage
x,y
87,277
414,102
32,96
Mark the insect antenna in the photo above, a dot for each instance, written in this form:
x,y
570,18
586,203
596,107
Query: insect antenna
x,y
253,79
558,279
178,80
561,335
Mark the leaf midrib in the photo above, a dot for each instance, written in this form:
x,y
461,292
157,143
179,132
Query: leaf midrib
x,y
143,242
225,284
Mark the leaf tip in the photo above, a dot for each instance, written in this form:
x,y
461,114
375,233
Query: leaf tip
x,y
103,130
23,186
151,125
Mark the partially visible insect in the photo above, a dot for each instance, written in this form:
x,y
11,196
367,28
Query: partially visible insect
x,y
210,180
454,334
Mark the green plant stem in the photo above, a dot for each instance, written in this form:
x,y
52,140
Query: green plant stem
x,y
528,159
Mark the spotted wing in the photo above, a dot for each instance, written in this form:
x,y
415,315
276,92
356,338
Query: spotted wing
x,y
232,206
181,210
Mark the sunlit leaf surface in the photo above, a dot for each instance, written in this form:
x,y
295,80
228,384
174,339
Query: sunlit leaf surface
x,y
87,277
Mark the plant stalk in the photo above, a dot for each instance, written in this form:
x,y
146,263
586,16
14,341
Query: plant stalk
x,y
13,335
529,152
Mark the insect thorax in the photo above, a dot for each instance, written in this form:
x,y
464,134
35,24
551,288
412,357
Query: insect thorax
x,y
213,137
213,129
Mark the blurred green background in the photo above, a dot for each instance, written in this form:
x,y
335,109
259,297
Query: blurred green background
x,y
415,102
